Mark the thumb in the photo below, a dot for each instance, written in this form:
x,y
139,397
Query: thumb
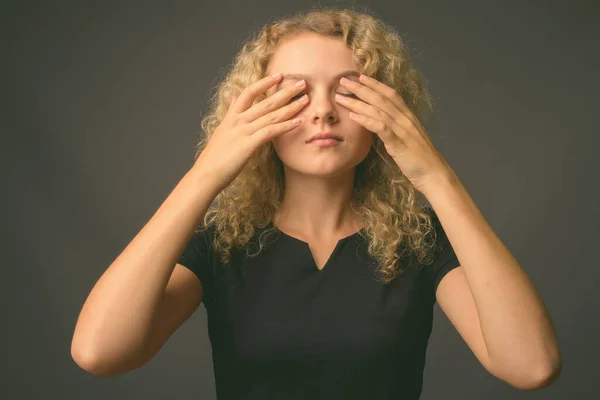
x,y
233,99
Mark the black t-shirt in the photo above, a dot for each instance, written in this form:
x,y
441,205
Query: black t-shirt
x,y
280,328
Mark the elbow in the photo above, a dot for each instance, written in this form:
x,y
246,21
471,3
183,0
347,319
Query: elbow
x,y
539,378
546,376
550,370
89,361
528,377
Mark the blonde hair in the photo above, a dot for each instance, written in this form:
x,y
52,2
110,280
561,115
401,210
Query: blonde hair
x,y
385,200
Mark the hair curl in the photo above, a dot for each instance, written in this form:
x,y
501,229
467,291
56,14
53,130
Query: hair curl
x,y
385,200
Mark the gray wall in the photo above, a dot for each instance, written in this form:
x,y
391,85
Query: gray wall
x,y
101,113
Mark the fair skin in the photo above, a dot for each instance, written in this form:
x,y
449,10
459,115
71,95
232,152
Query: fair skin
x,y
488,298
319,180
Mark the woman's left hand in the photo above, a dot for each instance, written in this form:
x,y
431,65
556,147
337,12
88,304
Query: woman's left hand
x,y
385,113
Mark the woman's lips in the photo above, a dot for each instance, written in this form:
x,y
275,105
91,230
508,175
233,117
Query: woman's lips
x,y
325,142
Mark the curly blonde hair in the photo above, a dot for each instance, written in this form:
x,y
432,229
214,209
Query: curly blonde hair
x,y
394,213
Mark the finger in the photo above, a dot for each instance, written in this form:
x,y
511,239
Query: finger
x,y
279,115
273,102
249,94
380,95
390,93
231,103
271,131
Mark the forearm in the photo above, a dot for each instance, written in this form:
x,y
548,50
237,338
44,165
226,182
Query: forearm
x,y
516,327
115,320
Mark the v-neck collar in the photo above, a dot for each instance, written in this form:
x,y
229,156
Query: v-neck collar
x,y
331,257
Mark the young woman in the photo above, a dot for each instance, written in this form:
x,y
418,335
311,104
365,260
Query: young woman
x,y
330,236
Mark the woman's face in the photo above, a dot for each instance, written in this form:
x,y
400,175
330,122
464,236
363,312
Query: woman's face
x,y
321,59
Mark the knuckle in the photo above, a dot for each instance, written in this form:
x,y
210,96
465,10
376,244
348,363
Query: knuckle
x,y
268,103
263,131
246,128
236,119
405,122
290,109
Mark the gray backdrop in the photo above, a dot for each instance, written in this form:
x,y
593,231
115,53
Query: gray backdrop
x,y
101,113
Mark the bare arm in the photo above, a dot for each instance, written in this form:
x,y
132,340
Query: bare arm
x,y
114,331
143,296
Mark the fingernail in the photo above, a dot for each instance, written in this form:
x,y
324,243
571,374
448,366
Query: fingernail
x,y
276,75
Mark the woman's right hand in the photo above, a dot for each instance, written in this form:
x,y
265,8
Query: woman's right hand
x,y
246,127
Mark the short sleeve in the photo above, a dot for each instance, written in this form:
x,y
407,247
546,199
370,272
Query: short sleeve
x,y
445,258
196,256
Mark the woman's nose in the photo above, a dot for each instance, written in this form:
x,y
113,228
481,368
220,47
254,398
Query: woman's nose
x,y
323,106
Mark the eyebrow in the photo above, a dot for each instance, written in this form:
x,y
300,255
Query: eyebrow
x,y
336,77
